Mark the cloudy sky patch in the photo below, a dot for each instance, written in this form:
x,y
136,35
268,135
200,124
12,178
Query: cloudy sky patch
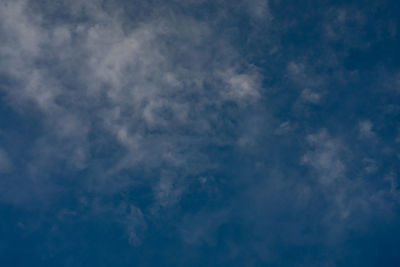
x,y
203,133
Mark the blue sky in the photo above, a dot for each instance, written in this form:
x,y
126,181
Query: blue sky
x,y
199,133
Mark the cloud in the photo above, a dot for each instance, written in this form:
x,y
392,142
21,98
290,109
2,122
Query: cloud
x,y
347,194
118,95
259,9
135,224
308,80
325,158
284,128
308,96
219,127
344,24
241,86
365,129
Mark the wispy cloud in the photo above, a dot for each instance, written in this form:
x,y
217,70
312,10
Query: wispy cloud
x,y
153,89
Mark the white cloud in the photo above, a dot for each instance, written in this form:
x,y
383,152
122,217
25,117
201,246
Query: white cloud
x,y
308,80
370,165
365,129
259,9
240,86
310,96
151,88
344,24
168,191
348,194
284,128
135,224
325,158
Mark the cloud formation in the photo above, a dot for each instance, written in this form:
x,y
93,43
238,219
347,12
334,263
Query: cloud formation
x,y
241,133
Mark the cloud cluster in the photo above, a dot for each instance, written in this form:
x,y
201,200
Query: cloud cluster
x,y
150,94
226,128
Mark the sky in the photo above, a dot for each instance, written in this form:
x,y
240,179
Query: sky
x,y
199,133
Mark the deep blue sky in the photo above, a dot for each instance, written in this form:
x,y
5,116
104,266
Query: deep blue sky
x,y
199,133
